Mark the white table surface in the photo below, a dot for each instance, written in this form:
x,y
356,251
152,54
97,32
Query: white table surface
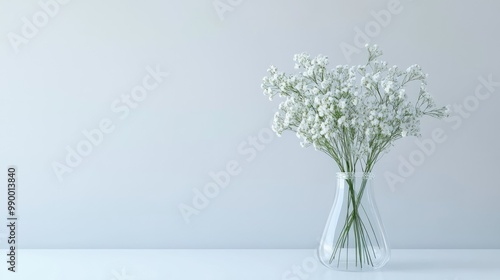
x,y
243,264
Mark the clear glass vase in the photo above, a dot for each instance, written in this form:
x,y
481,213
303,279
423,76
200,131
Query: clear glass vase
x,y
354,238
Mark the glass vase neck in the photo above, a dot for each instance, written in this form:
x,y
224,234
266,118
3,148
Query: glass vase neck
x,y
355,175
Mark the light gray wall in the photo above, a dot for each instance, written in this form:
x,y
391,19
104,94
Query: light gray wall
x,y
210,113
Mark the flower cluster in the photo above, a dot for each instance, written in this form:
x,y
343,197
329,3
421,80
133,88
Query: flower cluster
x,y
352,113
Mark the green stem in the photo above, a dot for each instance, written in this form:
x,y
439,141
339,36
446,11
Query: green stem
x,y
363,244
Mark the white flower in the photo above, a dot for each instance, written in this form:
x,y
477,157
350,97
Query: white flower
x,y
350,112
401,93
342,103
388,86
341,120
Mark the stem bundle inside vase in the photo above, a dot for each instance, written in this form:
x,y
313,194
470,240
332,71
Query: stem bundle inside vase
x,y
355,225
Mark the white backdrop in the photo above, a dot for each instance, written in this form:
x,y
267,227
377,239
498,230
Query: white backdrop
x,y
90,77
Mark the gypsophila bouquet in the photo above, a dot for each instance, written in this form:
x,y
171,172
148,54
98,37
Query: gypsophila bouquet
x,y
353,114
